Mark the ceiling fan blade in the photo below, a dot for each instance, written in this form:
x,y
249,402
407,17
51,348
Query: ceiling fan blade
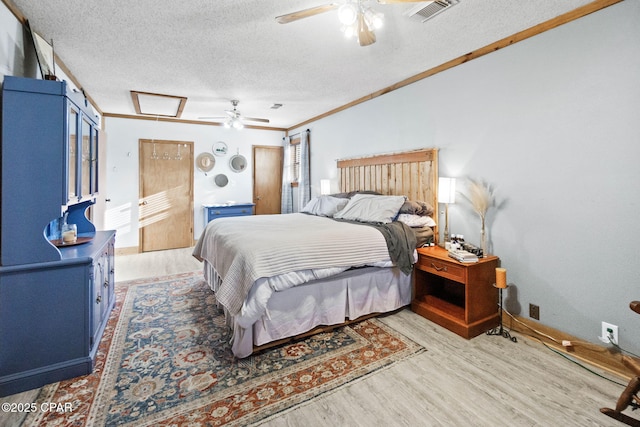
x,y
365,35
305,13
212,118
253,119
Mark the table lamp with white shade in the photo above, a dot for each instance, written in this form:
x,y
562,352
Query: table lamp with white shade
x,y
446,195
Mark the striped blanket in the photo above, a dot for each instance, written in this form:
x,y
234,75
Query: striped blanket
x,y
246,248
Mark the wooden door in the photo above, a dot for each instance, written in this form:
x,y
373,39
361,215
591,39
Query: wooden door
x,y
267,179
166,195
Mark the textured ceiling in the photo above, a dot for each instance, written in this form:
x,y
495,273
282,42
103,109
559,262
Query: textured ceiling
x,y
212,51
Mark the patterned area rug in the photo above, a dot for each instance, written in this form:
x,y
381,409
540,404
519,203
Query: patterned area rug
x,y
165,359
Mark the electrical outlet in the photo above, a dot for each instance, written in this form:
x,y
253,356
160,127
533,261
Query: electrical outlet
x,y
534,311
609,329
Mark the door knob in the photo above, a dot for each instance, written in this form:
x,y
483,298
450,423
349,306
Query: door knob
x,y
144,202
257,197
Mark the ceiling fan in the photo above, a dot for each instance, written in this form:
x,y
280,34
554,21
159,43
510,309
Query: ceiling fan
x,y
358,20
234,119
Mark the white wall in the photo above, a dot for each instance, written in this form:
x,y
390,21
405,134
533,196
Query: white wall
x,y
553,123
122,168
12,49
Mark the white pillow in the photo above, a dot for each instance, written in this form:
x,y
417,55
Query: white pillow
x,y
416,220
324,205
371,208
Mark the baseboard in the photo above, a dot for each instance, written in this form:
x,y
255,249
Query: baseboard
x,y
35,378
608,359
131,250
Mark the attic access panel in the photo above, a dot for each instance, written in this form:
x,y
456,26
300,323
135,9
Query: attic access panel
x,y
155,104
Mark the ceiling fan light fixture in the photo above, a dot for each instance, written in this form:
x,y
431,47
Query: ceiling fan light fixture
x,y
237,123
373,18
347,13
350,31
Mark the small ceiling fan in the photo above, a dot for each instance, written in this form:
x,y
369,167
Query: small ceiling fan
x,y
234,119
358,20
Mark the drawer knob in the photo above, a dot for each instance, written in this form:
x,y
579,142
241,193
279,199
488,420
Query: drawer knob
x,y
99,299
443,268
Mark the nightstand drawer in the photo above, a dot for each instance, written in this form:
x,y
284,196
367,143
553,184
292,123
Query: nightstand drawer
x,y
450,270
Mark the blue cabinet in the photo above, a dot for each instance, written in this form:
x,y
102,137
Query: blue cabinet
x,y
49,162
212,212
54,301
52,315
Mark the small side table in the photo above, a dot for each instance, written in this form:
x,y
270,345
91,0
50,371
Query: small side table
x,y
458,296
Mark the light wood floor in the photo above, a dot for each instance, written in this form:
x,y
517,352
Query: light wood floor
x,y
486,381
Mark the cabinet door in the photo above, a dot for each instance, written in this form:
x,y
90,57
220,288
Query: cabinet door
x,y
72,154
85,177
93,166
97,300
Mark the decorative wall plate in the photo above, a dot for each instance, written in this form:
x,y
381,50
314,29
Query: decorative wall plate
x,y
205,162
221,180
220,148
238,163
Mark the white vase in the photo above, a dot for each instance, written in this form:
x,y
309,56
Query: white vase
x,y
483,242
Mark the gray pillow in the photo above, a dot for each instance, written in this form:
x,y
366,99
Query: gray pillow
x,y
324,206
371,208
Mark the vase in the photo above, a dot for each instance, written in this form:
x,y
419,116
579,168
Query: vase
x,y
483,242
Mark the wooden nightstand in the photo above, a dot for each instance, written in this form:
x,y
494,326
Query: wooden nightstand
x,y
458,296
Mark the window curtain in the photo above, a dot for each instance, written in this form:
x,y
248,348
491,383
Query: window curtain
x,y
287,192
304,181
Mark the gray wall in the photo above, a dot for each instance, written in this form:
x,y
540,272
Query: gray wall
x,y
553,123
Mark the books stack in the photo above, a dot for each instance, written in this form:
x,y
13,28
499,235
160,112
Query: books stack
x,y
463,256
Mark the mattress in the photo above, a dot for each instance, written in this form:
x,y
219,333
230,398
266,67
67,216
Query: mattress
x,y
245,249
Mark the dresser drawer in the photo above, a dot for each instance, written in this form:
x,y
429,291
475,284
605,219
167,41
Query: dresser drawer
x,y
228,211
213,212
436,266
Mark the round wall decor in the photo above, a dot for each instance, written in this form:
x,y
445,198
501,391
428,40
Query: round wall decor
x,y
238,163
221,180
220,148
205,162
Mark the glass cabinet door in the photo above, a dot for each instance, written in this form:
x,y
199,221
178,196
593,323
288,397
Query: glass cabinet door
x,y
86,158
72,191
94,161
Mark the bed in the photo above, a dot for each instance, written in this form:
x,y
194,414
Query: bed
x,y
343,258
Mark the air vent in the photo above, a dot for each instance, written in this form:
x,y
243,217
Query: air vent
x,y
427,10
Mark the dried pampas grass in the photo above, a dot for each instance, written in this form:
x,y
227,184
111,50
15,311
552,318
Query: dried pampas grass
x,y
480,196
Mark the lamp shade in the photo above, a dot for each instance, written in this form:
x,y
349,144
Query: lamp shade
x,y
325,186
446,190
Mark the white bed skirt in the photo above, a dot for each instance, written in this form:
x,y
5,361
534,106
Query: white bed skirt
x,y
329,301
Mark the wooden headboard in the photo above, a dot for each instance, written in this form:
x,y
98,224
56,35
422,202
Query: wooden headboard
x,y
413,174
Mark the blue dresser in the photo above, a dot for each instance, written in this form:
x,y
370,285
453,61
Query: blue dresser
x,y
55,297
214,211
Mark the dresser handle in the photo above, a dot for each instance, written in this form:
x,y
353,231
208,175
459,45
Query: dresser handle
x,y
443,268
99,299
